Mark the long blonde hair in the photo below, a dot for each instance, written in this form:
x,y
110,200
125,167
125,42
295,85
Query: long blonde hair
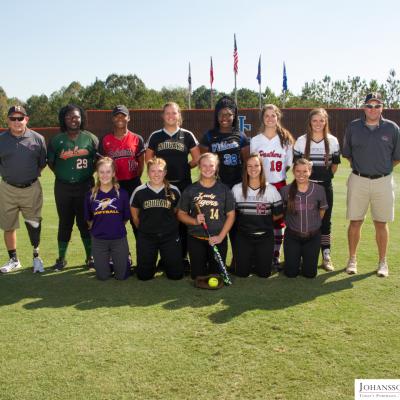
x,y
169,194
176,105
210,156
104,161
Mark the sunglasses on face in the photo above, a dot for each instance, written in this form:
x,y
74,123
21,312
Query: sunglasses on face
x,y
20,119
371,106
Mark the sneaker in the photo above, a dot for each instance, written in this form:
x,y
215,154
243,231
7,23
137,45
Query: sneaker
x,y
90,263
383,269
10,266
38,265
60,264
276,265
351,268
327,264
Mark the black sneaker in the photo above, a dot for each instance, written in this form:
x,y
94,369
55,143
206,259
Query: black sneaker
x,y
90,263
60,264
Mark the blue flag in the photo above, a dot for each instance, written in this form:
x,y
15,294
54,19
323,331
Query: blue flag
x,y
259,71
284,84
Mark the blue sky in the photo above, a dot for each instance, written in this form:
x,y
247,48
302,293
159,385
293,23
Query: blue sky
x,y
48,44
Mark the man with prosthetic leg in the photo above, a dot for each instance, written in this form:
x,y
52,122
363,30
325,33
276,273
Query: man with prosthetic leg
x,y
22,157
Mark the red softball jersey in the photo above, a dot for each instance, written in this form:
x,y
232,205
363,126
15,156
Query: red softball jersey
x,y
125,152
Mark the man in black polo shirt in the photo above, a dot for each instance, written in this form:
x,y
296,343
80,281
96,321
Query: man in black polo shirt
x,y
372,145
22,157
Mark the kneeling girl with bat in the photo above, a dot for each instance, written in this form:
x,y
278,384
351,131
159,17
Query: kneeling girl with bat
x,y
208,209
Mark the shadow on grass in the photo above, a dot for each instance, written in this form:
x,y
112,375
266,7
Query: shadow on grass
x,y
80,289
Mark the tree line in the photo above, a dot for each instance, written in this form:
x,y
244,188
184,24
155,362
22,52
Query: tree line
x,y
131,91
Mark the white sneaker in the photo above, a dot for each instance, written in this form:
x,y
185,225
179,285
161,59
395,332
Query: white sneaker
x,y
10,266
383,269
327,264
38,265
351,268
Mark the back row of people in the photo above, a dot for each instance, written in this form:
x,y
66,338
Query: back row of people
x,y
72,155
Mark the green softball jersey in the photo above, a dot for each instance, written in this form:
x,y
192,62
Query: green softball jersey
x,y
73,160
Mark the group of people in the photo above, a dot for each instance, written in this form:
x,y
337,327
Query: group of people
x,y
241,192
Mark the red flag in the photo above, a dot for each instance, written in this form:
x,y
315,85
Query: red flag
x,y
235,56
211,73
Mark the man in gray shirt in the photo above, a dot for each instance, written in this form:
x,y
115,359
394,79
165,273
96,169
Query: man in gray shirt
x,y
372,145
22,157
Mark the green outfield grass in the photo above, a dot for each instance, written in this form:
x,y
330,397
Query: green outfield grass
x,y
67,336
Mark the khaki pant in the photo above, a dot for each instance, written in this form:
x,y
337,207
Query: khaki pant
x,y
362,192
14,200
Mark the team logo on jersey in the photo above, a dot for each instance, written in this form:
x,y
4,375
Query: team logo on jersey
x,y
206,199
167,145
385,138
105,203
156,203
75,152
272,153
222,146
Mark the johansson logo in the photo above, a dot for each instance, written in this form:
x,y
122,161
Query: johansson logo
x,y
377,389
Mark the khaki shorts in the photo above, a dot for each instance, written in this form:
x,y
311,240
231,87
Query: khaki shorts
x,y
13,200
362,192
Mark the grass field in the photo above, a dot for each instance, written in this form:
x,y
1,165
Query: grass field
x,y
67,336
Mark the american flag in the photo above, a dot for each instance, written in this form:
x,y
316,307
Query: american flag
x,y
259,71
235,56
211,73
284,83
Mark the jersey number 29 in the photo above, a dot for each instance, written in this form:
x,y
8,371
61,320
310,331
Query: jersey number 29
x,y
81,163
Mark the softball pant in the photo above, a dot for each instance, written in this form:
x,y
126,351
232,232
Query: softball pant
x,y
254,250
201,256
118,250
70,200
326,220
301,254
147,247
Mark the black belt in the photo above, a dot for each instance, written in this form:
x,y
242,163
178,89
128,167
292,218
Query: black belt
x,y
21,185
370,176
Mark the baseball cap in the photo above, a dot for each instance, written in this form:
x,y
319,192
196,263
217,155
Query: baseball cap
x,y
120,110
373,96
16,109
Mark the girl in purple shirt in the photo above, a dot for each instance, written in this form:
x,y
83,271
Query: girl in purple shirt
x,y
107,211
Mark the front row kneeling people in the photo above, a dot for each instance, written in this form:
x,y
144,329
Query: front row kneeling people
x,y
106,212
153,208
305,204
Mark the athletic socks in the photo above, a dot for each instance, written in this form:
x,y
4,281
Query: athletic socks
x,y
87,243
62,249
35,252
13,254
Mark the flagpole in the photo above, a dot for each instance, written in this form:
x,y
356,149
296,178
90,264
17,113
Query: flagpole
x,y
190,87
259,82
211,83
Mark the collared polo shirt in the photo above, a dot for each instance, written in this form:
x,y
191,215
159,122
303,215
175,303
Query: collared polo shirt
x,y
22,157
372,151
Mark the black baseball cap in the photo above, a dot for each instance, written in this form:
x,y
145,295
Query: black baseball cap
x,y
373,96
16,109
120,110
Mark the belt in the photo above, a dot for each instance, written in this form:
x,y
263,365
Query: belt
x,y
21,185
370,176
302,235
